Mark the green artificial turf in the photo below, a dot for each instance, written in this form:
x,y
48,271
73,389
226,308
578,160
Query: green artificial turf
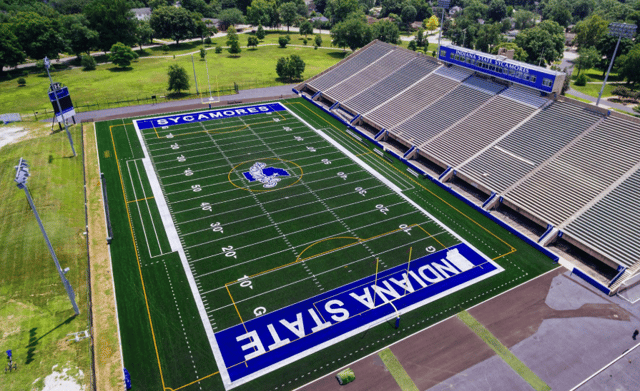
x,y
153,282
35,313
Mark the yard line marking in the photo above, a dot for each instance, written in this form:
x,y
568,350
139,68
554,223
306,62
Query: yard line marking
x,y
135,195
141,199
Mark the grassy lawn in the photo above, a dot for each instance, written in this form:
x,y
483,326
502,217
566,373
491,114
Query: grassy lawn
x,y
35,313
253,68
578,99
596,75
594,89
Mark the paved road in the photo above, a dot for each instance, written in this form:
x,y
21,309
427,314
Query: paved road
x,y
603,102
179,105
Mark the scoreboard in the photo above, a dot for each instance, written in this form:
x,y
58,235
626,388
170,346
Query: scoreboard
x,y
66,109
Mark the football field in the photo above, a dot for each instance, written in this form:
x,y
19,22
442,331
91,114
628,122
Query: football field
x,y
262,240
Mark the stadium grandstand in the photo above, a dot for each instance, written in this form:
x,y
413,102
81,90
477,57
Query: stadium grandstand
x,y
565,168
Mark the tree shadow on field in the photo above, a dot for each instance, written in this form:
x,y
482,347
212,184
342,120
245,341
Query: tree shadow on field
x,y
339,55
33,340
120,69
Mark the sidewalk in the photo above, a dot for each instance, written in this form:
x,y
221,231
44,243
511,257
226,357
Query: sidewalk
x,y
603,102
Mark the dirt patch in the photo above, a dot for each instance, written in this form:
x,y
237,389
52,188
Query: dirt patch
x,y
105,329
10,134
518,315
67,380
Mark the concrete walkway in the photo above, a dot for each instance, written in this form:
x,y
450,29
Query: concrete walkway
x,y
603,102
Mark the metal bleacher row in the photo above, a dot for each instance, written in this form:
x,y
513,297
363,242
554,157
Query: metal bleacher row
x,y
559,162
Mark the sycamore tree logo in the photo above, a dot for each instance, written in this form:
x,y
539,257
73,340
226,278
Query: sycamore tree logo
x,y
268,176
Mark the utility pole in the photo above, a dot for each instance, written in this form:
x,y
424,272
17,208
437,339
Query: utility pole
x,y
22,173
194,75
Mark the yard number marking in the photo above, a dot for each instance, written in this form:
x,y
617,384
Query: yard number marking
x,y
276,119
181,158
259,311
431,249
188,172
361,191
286,128
206,207
246,283
298,138
342,175
228,252
175,146
326,161
311,149
196,188
405,228
216,227
382,209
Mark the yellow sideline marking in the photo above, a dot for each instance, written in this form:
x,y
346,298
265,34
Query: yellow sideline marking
x,y
155,345
513,249
144,291
141,199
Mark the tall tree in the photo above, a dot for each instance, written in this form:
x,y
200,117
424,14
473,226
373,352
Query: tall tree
x,y
629,65
353,32
229,17
339,10
590,31
542,43
252,41
524,19
80,38
178,78
172,22
583,8
497,10
288,14
121,55
432,23
233,41
38,36
559,11
306,28
588,58
408,15
386,31
263,12
10,50
113,20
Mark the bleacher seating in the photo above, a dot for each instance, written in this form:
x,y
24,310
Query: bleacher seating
x,y
369,75
441,114
411,101
524,95
477,131
612,225
360,60
529,145
454,73
392,85
581,172
483,85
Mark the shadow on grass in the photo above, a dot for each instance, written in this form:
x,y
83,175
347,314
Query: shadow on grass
x,y
33,340
120,69
339,55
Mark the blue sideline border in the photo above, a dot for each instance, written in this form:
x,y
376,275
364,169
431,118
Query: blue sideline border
x,y
504,225
275,339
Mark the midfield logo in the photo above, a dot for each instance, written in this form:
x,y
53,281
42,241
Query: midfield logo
x,y
268,176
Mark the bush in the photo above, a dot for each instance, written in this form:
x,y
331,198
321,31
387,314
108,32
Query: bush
x,y
203,53
290,68
22,82
283,41
412,45
207,41
165,48
218,49
622,91
318,40
260,33
315,47
304,42
581,80
88,63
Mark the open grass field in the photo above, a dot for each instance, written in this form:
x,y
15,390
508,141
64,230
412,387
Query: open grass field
x,y
147,77
239,241
36,316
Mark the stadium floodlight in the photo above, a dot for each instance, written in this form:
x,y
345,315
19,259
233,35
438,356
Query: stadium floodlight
x,y
620,30
22,174
444,4
47,65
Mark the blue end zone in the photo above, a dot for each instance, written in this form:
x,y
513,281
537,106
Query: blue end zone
x,y
158,122
288,334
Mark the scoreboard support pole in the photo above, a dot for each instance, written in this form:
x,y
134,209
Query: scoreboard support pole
x,y
47,65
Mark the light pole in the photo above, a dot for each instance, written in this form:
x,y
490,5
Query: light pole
x,y
194,75
47,65
444,4
22,173
620,30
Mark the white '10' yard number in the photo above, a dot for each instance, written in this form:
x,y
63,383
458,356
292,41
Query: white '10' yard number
x,y
228,252
342,175
245,282
382,209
